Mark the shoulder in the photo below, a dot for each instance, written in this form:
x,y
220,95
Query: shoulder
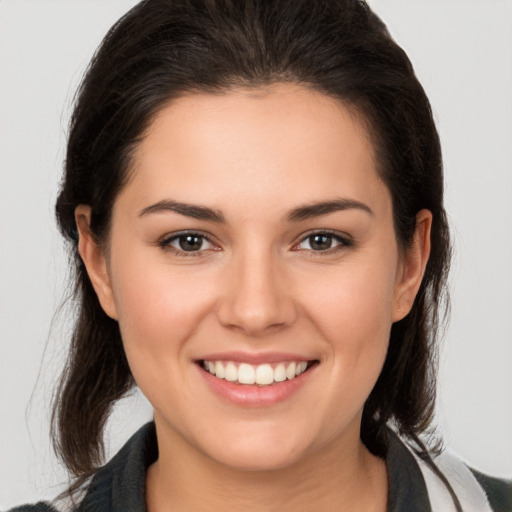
x,y
475,491
436,478
120,485
116,487
498,491
38,507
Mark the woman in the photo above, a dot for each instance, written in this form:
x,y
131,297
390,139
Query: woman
x,y
253,194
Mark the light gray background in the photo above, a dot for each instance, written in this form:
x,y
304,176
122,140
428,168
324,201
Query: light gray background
x,y
462,51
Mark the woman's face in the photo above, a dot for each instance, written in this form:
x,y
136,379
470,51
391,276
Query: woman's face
x,y
254,239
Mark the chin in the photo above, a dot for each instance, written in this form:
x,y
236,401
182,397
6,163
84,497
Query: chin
x,y
258,447
255,458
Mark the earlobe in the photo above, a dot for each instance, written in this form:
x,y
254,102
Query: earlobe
x,y
93,256
413,266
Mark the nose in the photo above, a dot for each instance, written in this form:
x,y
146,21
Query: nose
x,y
256,298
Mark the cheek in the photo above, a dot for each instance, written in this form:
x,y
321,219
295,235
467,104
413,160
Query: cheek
x,y
158,306
159,310
352,310
350,304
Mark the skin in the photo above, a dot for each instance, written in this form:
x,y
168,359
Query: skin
x,y
259,285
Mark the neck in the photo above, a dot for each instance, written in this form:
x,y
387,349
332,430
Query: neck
x,y
341,476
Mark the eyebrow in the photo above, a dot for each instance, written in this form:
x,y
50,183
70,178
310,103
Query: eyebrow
x,y
304,212
310,211
189,210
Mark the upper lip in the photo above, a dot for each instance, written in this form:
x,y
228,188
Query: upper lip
x,y
255,358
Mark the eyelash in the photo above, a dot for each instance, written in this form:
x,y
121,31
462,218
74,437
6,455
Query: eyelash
x,y
343,242
165,243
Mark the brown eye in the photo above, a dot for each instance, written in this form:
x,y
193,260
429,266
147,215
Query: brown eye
x,y
190,243
187,243
320,242
324,242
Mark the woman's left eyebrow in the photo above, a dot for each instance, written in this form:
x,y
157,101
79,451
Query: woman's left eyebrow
x,y
312,210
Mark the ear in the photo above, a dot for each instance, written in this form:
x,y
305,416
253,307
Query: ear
x,y
412,267
95,261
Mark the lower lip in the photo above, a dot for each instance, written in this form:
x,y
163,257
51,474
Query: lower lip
x,y
245,395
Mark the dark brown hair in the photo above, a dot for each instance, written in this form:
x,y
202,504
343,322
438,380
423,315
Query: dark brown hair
x,y
162,49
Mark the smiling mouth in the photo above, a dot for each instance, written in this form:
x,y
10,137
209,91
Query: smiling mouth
x,y
261,375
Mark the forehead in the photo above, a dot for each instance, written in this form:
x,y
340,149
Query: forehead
x,y
284,143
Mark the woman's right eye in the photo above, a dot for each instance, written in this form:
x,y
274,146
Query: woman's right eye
x,y
191,243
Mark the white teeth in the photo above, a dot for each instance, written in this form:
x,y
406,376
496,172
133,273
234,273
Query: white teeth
x,y
219,370
246,374
290,371
262,375
280,373
231,372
